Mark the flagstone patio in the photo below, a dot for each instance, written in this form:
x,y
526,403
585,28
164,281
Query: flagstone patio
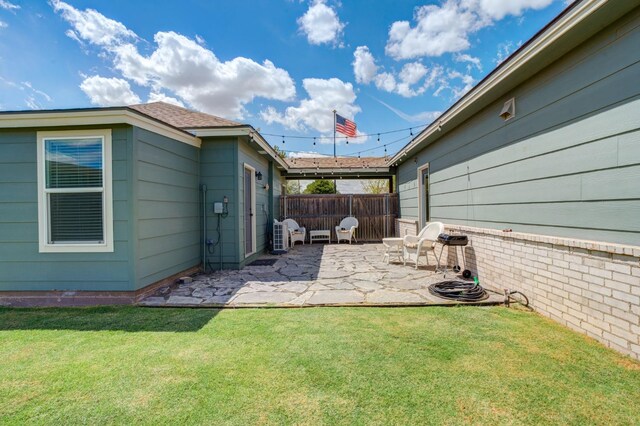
x,y
313,275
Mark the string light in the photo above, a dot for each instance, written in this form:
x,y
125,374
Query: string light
x,y
378,137
283,140
355,154
314,140
361,135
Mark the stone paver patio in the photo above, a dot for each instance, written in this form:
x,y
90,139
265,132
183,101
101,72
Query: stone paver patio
x,y
313,275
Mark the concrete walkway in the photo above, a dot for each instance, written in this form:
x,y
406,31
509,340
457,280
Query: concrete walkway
x,y
313,275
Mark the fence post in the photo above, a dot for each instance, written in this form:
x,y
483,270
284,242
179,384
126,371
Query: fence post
x,y
285,207
350,204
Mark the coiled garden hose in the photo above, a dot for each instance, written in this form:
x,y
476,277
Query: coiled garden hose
x,y
461,291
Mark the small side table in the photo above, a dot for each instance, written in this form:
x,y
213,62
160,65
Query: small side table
x,y
320,235
393,247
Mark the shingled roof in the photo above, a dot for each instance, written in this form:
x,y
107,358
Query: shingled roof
x,y
336,162
181,117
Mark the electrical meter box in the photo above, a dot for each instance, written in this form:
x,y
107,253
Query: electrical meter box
x,y
217,208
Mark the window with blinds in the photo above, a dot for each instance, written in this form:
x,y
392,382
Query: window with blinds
x,y
73,187
73,170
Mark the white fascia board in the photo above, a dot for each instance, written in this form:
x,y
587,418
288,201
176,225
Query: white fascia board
x,y
243,131
534,48
94,117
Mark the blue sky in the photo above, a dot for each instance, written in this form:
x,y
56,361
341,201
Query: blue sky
x,y
281,66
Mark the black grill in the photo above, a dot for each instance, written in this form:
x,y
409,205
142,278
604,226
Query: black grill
x,y
453,240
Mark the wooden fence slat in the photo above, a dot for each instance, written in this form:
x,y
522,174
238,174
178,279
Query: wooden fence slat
x,y
316,212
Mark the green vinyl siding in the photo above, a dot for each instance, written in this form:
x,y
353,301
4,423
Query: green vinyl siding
x,y
22,266
567,164
167,206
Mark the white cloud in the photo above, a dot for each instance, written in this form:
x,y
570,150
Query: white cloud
x,y
315,112
182,66
321,24
504,50
413,72
424,117
386,81
439,29
196,75
413,79
498,9
32,103
104,91
409,75
93,26
471,60
161,97
33,97
364,65
3,24
6,5
466,80
28,85
446,28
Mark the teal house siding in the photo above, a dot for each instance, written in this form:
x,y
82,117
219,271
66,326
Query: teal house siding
x,y
218,163
567,164
22,267
167,206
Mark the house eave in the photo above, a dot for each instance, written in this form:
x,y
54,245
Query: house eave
x,y
517,63
92,117
243,130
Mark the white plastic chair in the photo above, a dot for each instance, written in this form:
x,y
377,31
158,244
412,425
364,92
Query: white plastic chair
x,y
347,229
422,243
296,232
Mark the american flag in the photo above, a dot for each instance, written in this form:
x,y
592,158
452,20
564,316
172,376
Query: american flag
x,y
346,127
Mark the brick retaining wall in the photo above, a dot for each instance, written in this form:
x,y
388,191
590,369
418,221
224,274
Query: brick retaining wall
x,y
591,287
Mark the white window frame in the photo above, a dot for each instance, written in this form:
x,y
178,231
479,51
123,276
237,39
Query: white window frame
x,y
107,195
421,210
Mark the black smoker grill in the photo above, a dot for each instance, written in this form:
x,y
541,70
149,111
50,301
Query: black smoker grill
x,y
457,241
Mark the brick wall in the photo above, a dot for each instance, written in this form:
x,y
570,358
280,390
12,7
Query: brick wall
x,y
406,227
589,286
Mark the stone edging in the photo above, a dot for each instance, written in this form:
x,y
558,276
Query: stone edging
x,y
620,249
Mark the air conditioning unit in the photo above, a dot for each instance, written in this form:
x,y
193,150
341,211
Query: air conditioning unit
x,y
280,238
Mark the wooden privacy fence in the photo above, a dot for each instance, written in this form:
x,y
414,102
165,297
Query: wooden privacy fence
x,y
376,213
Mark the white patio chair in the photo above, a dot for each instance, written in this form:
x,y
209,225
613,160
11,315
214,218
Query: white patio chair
x,y
296,232
422,243
347,229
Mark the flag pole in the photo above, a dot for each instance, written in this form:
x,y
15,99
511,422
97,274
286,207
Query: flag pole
x,y
335,188
334,133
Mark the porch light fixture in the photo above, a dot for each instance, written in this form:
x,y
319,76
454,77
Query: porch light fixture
x,y
508,109
259,175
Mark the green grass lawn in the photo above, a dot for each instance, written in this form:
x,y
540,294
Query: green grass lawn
x,y
321,365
